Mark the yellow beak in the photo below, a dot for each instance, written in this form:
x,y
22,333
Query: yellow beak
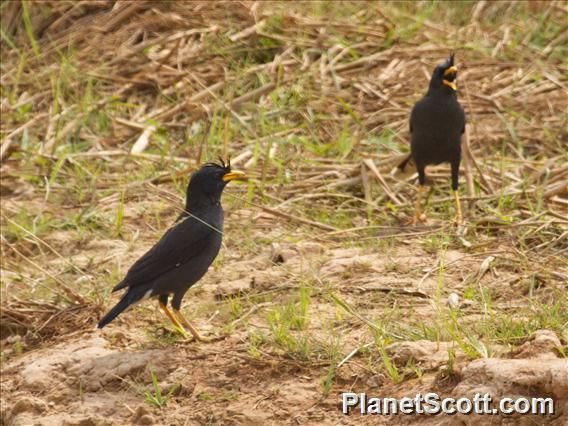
x,y
450,70
234,175
450,84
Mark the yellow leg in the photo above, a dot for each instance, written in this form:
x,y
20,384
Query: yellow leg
x,y
458,219
418,215
185,322
174,321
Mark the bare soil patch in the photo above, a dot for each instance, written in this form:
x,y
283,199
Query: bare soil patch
x,y
320,287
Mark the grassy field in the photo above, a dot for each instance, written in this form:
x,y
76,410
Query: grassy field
x,y
320,287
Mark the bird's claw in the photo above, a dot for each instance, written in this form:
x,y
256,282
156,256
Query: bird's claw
x,y
459,224
182,332
418,218
458,220
208,339
213,339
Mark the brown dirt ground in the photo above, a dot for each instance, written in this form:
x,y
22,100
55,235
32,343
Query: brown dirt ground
x,y
313,78
80,376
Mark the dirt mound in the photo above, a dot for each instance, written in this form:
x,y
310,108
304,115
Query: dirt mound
x,y
92,381
42,381
536,372
89,381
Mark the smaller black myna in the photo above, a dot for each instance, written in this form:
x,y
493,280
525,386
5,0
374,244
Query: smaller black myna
x,y
184,253
437,123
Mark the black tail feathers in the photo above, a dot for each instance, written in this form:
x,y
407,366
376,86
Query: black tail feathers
x,y
129,298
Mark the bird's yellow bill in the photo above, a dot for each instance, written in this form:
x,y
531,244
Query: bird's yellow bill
x,y
234,175
450,84
452,69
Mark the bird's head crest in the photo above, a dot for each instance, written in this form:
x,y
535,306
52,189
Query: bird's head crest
x,y
226,173
220,165
445,74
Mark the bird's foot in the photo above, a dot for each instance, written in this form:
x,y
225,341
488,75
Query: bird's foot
x,y
212,339
182,332
461,228
420,217
204,339
458,220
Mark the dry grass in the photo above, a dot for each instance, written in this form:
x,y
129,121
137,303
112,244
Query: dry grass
x,y
107,107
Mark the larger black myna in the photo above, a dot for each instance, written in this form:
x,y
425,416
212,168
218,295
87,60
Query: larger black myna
x,y
184,253
437,123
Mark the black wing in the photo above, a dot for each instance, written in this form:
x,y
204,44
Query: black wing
x,y
420,112
417,113
176,247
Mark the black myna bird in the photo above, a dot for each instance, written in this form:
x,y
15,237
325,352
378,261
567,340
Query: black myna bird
x,y
437,123
184,253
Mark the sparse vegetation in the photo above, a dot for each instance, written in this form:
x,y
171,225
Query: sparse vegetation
x,y
107,107
155,396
